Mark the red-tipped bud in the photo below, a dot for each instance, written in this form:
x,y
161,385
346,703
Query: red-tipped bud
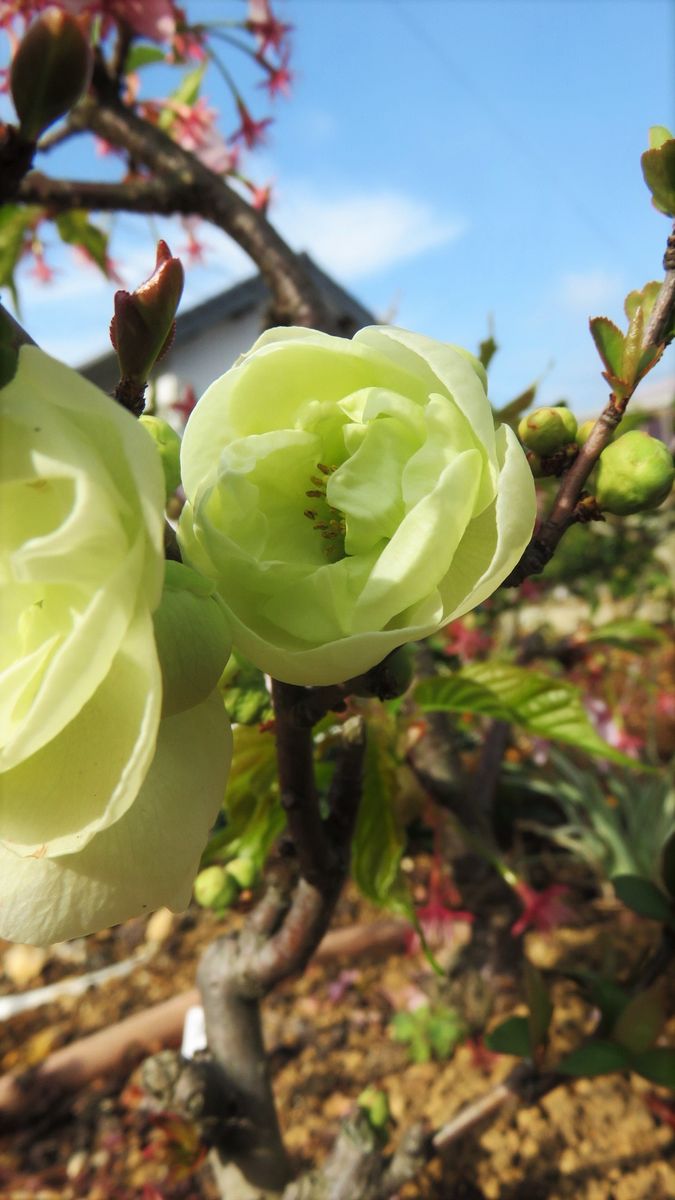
x,y
143,326
50,71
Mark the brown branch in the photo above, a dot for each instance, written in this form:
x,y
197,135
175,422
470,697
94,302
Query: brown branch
x,y
196,189
568,505
134,195
295,761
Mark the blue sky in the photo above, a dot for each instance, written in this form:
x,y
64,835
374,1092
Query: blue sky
x,y
449,161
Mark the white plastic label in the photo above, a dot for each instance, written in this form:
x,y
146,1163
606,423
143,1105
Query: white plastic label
x,y
194,1032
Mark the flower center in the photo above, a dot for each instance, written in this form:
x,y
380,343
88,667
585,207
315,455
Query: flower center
x,y
329,522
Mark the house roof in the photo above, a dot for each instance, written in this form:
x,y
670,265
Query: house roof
x,y
236,301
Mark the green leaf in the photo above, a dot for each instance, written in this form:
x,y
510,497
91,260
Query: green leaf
x,y
644,299
632,346
378,840
14,223
629,633
186,93
609,342
658,168
487,350
596,1058
657,1065
642,1019
76,229
142,56
511,1037
668,865
643,897
253,812
509,414
605,994
539,1005
547,707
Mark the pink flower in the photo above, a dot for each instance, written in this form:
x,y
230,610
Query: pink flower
x,y
40,269
194,129
542,911
185,404
154,19
269,31
252,132
437,917
279,78
466,641
260,197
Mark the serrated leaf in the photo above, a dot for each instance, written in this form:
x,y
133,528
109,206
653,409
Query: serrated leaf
x,y
253,812
539,1006
487,350
511,1037
597,1058
14,223
658,168
643,897
609,342
668,865
549,708
632,347
644,298
378,839
657,1065
629,633
140,56
641,1021
76,229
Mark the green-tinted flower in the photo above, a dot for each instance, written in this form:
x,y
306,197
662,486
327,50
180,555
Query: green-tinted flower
x,y
350,496
103,814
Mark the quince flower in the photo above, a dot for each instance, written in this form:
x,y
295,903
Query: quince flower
x,y
103,813
350,496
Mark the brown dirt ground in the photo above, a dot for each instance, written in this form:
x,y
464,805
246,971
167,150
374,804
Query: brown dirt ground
x,y
610,1138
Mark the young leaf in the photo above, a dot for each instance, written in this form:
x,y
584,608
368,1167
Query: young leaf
x,y
76,229
142,56
378,840
609,342
511,1037
632,347
658,168
252,808
596,1058
549,708
509,414
629,633
641,1021
14,223
656,1064
643,897
644,299
658,134
539,1005
187,93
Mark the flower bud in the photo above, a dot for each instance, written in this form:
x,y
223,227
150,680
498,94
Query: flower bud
x,y
50,71
213,888
547,429
584,431
167,442
243,871
634,474
143,326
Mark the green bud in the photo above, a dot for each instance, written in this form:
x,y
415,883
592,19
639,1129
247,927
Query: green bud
x,y
547,429
167,442
584,431
50,71
634,474
193,638
243,871
213,888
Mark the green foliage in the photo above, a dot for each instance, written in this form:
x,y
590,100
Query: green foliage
x,y
547,707
539,1006
658,168
253,814
641,1020
430,1032
596,1058
644,898
621,557
14,225
246,697
657,1064
616,829
512,1036
629,633
76,229
379,837
141,55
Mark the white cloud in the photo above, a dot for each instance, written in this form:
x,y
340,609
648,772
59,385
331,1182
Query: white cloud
x,y
583,291
357,233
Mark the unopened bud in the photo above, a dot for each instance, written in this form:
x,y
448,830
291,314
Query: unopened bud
x,y
547,429
214,888
243,871
50,71
167,442
143,326
584,431
634,474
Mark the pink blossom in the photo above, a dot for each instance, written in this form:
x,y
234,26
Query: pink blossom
x,y
665,704
194,129
185,404
260,197
437,917
466,641
40,269
279,78
542,911
269,31
154,19
252,132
